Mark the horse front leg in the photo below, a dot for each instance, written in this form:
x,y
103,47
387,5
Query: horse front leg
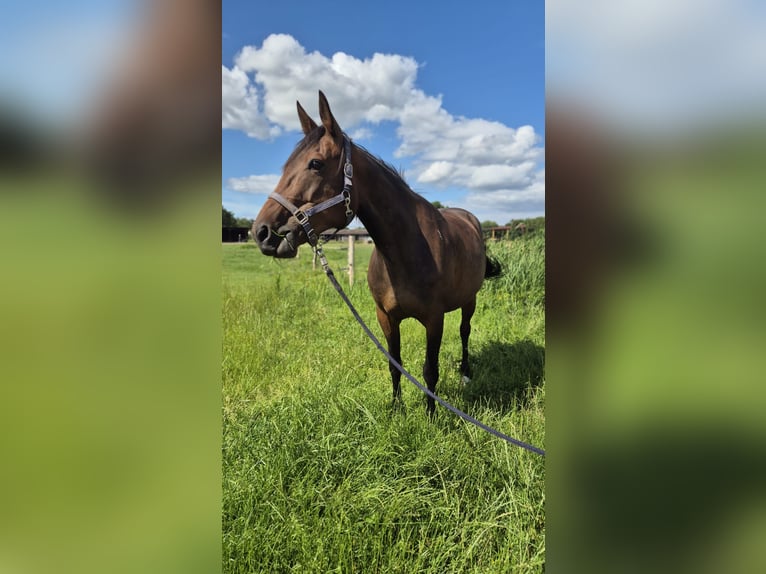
x,y
390,330
434,329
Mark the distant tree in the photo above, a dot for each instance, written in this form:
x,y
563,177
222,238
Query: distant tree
x,y
487,224
243,222
228,218
438,204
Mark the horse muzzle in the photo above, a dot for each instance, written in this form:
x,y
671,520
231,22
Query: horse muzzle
x,y
282,243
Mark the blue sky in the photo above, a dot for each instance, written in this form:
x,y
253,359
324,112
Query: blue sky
x,y
455,96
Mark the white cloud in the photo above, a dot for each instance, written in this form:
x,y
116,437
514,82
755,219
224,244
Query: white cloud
x,y
240,105
438,171
480,155
253,183
361,134
502,205
371,90
501,176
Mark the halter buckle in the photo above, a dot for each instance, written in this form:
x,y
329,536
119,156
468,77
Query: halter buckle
x,y
348,170
347,201
301,217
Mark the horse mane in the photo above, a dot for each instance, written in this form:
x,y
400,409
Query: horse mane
x,y
390,170
393,174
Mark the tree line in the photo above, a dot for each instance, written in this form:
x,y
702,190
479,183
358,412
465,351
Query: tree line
x,y
532,223
230,220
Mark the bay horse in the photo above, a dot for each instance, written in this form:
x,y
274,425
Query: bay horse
x,y
426,261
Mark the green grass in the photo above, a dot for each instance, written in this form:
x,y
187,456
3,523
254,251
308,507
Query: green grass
x,y
321,475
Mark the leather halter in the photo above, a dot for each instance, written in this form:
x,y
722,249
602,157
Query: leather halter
x,y
303,215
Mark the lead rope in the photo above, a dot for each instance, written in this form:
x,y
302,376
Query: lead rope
x,y
402,370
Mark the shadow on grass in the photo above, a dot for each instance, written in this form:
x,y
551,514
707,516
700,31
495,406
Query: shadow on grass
x,y
503,374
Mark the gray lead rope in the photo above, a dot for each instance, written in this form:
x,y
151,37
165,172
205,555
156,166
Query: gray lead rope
x,y
402,370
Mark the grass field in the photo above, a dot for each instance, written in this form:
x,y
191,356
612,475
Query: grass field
x,y
321,475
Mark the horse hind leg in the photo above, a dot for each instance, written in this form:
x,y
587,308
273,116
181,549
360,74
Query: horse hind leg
x,y
465,333
391,332
434,330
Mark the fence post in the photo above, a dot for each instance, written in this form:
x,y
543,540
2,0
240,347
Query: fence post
x,y
351,244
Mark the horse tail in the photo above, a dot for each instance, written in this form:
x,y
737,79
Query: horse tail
x,y
493,268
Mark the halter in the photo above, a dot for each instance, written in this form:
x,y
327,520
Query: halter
x,y
303,215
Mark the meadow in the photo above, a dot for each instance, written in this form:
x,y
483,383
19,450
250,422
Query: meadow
x,y
320,474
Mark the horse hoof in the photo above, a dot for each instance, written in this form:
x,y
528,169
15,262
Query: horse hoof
x,y
465,380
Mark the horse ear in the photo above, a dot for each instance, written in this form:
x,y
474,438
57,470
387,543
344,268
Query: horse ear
x,y
328,121
307,124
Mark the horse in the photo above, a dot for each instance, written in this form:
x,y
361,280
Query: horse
x,y
426,261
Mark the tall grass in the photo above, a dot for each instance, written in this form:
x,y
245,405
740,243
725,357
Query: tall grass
x,y
320,474
524,268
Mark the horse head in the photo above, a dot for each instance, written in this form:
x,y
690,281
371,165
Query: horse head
x,y
307,200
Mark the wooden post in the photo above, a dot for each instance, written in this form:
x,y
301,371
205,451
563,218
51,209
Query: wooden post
x,y
351,243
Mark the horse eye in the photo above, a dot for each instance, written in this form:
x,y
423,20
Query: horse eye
x,y
315,164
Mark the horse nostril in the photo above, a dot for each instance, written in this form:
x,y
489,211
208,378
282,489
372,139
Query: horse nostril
x,y
262,233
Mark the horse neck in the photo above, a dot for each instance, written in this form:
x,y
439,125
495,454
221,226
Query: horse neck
x,y
387,208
